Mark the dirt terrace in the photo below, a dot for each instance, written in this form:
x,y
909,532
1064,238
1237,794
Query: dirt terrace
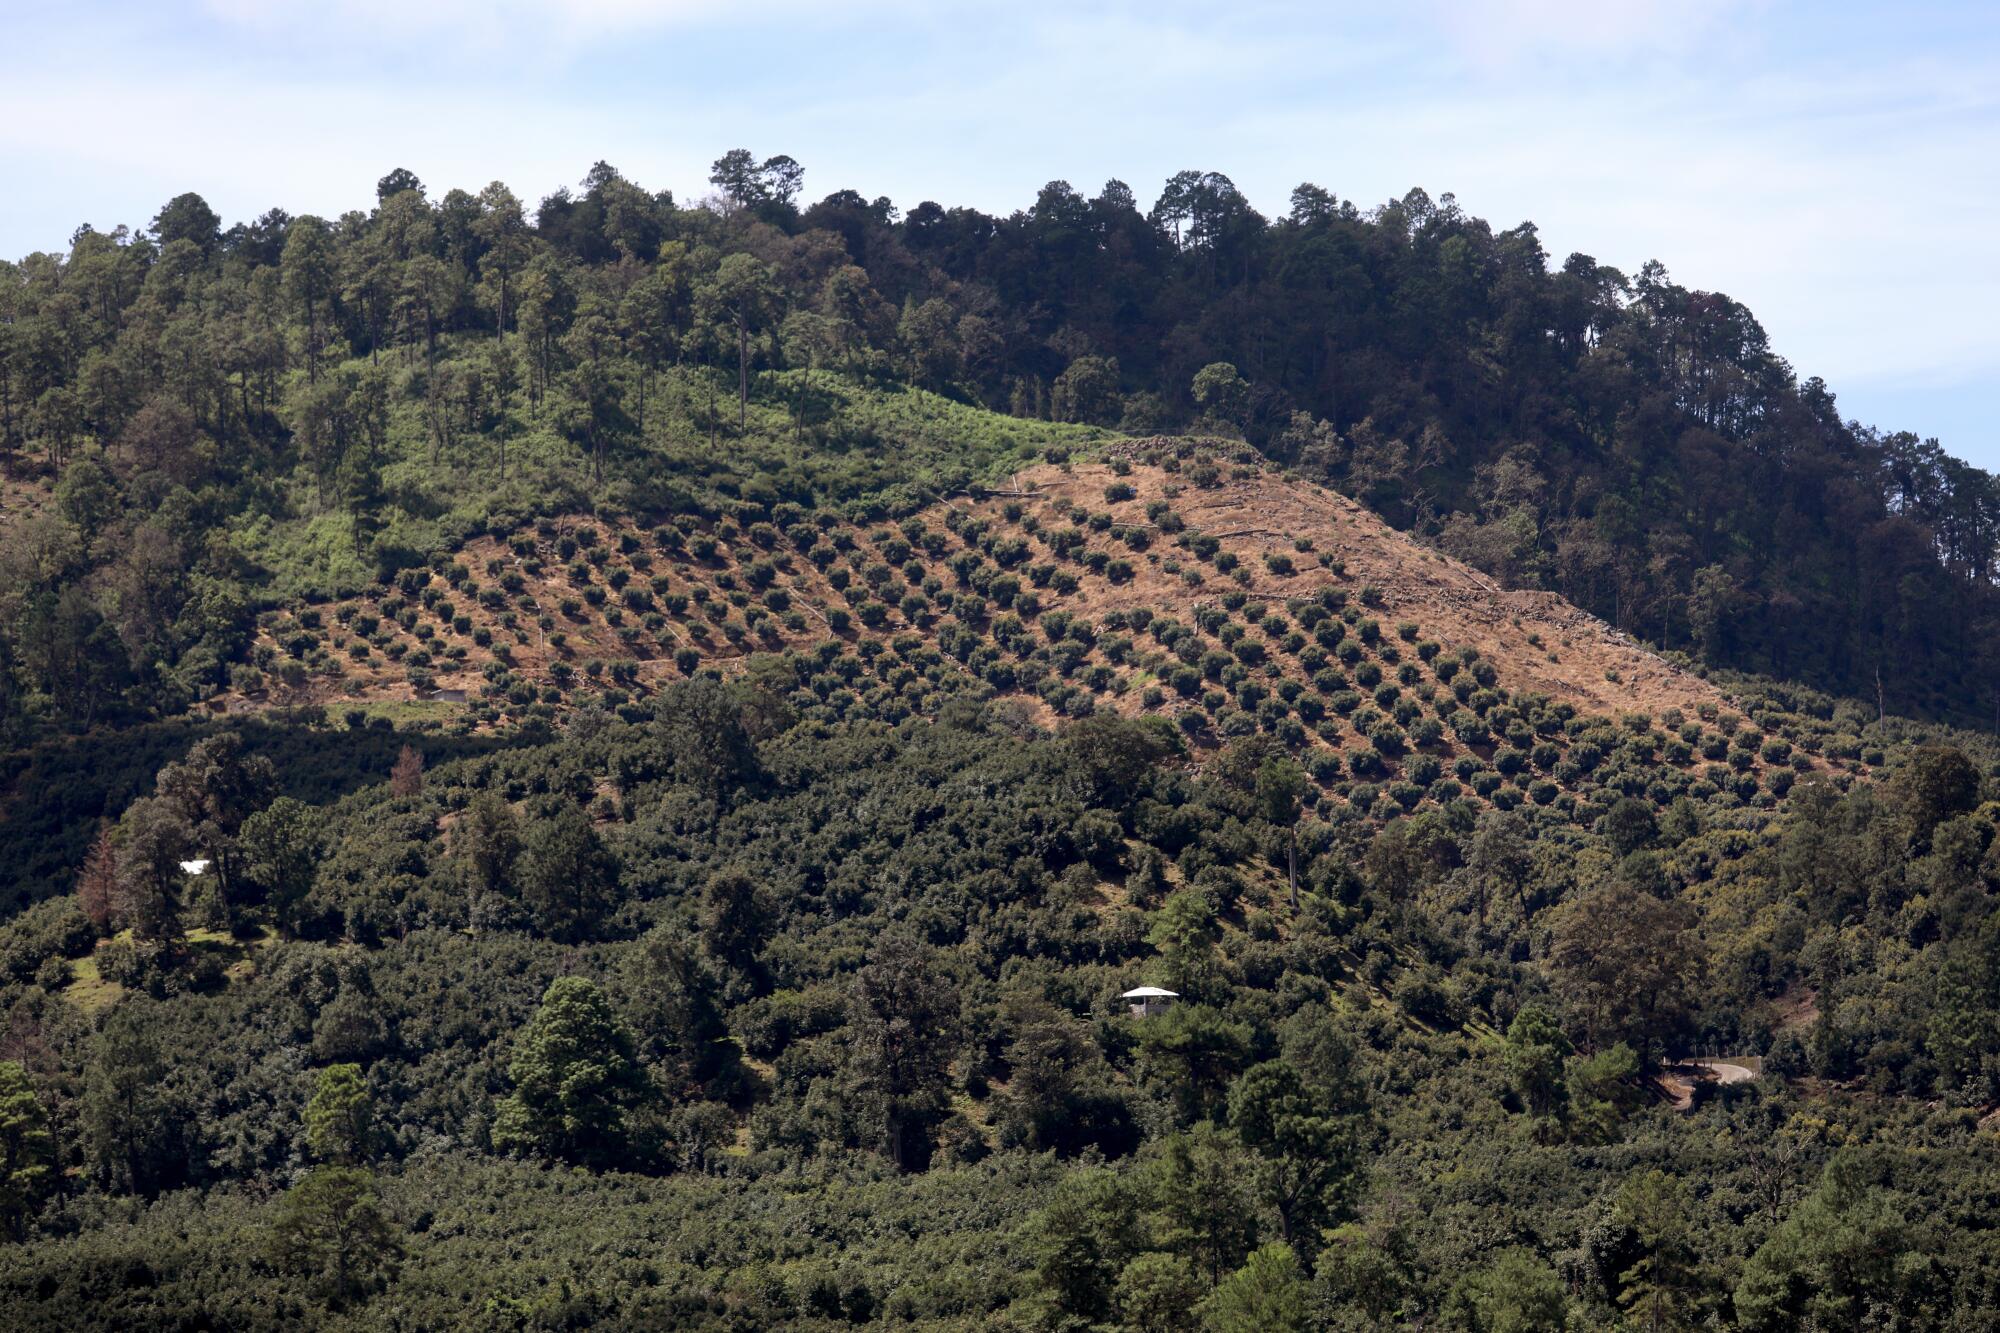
x,y
1455,604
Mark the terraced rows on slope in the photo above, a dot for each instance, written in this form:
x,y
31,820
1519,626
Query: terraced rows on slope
x,y
1229,598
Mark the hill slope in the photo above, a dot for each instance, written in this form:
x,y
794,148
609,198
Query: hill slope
x,y
582,773
1226,596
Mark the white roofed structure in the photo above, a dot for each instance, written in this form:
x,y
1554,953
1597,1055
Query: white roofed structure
x,y
1149,1000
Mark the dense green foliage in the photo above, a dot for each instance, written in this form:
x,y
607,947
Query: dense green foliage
x,y
782,988
839,956
288,406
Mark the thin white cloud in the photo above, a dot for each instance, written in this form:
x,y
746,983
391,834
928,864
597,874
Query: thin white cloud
x,y
1499,35
524,30
310,160
1849,198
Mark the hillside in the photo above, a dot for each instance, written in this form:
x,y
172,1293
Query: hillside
x,y
1226,597
1538,642
614,770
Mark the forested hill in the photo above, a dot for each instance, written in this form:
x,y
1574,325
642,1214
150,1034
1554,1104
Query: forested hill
x,y
1631,444
619,770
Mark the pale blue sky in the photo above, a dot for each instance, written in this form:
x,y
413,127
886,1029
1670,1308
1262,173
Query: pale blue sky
x,y
1834,166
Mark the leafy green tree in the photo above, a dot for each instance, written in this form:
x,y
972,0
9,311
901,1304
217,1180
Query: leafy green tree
x,y
1314,1041
1368,1270
1934,784
187,217
282,845
27,1148
737,916
351,1027
1536,1056
1268,1294
1517,1292
1964,1027
1305,1149
594,396
1626,964
1221,392
704,735
310,269
1281,790
811,341
929,334
852,315
331,1228
69,650
500,378
1630,825
568,879
748,183
340,1118
486,843
1087,391
575,1076
1715,603
130,1128
1499,859
153,841
668,999
87,495
357,482
212,792
1052,1064
397,181
1838,1259
1601,1092
655,313
318,414
1110,757
502,227
1185,933
741,298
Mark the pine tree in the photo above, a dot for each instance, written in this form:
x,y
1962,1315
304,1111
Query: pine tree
x,y
1656,1288
331,1228
904,1020
97,883
27,1148
568,879
1208,1215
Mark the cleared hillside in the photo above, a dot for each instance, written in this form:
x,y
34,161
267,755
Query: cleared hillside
x,y
1230,597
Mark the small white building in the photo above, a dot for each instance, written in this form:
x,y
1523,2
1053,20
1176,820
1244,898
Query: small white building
x,y
195,867
1149,1000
